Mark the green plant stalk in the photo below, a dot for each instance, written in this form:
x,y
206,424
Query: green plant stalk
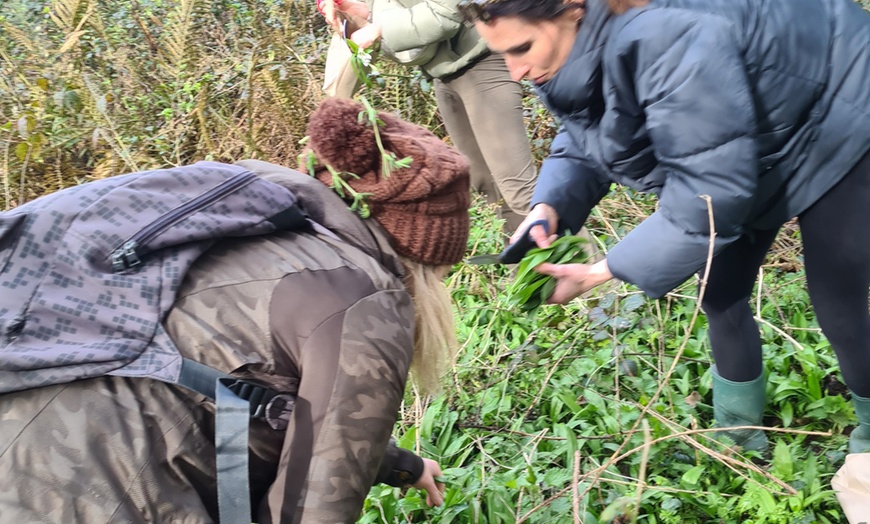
x,y
340,185
389,162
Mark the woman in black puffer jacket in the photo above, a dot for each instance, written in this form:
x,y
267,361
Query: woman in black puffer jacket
x,y
761,107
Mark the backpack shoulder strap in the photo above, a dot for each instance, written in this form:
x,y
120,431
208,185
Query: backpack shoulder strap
x,y
236,402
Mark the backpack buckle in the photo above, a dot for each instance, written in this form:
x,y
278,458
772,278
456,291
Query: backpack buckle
x,y
265,403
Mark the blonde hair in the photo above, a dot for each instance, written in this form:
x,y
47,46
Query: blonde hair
x,y
435,342
621,6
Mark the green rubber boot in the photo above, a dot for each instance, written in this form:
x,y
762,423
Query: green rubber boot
x,y
859,440
740,404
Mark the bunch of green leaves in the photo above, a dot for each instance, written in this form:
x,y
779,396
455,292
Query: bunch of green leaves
x,y
531,289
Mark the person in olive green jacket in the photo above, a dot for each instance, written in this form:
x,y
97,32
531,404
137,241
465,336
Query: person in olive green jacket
x,y
335,316
480,104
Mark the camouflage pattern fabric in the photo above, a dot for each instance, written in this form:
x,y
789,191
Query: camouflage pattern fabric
x,y
305,313
105,450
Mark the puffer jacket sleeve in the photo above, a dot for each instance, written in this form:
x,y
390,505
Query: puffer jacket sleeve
x,y
569,183
684,72
428,22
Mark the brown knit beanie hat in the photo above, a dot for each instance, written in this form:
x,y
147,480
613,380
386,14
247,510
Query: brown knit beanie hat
x,y
423,207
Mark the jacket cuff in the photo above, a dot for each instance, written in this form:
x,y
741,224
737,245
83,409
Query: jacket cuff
x,y
399,467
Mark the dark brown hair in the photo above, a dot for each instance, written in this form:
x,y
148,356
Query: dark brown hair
x,y
539,10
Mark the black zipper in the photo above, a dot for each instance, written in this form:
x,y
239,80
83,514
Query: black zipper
x,y
125,257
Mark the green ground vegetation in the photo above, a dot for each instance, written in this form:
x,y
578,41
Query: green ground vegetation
x,y
599,411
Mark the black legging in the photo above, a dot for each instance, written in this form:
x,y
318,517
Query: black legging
x,y
836,240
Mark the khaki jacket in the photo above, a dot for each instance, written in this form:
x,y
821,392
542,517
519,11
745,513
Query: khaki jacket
x,y
321,314
431,22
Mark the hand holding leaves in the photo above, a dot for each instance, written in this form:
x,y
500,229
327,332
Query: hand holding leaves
x,y
531,289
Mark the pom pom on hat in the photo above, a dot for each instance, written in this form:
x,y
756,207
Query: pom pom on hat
x,y
339,137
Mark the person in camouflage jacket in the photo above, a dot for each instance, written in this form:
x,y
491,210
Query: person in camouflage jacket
x,y
334,316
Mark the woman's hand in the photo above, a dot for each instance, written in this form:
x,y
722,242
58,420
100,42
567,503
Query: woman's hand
x,y
331,8
574,279
367,35
537,233
434,490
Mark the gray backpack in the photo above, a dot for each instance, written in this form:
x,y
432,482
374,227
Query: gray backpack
x,y
88,274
